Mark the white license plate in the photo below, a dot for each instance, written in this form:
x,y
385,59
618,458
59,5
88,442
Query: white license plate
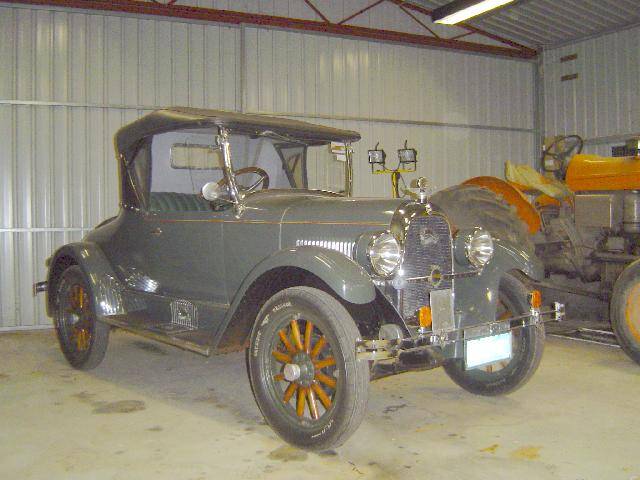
x,y
486,350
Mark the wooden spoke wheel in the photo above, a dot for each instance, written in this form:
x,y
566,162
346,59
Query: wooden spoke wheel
x,y
303,361
82,338
303,371
505,376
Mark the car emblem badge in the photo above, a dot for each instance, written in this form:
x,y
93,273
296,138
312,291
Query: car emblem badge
x,y
427,237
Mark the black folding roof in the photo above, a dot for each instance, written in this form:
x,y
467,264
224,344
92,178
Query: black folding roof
x,y
182,118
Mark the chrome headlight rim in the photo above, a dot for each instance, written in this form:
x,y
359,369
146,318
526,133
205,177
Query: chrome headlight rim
x,y
479,255
376,238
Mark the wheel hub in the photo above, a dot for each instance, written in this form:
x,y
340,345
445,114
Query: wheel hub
x,y
291,372
301,370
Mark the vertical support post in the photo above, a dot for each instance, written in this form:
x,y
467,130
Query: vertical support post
x,y
243,69
538,108
348,170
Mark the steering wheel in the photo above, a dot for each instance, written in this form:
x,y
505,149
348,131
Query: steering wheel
x,y
264,179
572,145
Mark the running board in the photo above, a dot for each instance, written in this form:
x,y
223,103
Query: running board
x,y
114,320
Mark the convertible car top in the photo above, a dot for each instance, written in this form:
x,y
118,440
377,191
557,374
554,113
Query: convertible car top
x,y
179,118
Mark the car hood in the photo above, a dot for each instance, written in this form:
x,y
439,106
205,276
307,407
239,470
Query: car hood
x,y
342,211
304,207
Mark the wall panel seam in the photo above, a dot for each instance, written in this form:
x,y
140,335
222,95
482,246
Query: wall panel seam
x,y
278,114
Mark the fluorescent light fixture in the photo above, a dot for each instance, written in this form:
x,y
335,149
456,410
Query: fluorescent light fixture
x,y
461,10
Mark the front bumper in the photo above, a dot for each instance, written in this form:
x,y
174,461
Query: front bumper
x,y
424,340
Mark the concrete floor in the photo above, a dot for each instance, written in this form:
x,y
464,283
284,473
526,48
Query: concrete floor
x,y
151,411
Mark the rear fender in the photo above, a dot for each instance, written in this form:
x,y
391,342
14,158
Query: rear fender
x,y
103,283
513,196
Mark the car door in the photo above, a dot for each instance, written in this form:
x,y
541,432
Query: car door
x,y
182,234
184,254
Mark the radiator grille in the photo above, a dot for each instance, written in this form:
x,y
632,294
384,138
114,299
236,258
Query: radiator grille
x,y
428,244
345,248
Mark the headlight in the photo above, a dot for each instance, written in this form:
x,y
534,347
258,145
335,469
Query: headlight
x,y
479,247
384,254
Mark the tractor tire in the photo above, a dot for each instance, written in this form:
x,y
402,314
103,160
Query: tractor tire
x,y
469,206
625,310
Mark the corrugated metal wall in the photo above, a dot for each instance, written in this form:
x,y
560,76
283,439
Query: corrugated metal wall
x,y
69,80
603,103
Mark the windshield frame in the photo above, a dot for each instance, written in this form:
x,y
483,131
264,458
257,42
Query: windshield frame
x,y
237,196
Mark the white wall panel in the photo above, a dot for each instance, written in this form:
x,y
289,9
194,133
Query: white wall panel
x,y
69,80
446,156
291,72
604,100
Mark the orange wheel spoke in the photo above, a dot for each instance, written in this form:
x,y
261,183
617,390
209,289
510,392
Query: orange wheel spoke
x,y
325,362
279,377
288,393
81,299
302,396
318,347
307,337
281,357
326,379
295,331
324,398
286,342
313,406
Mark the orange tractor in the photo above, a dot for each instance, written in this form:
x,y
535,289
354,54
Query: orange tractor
x,y
583,213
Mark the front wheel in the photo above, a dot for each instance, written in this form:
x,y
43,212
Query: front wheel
x,y
505,376
303,369
83,338
625,311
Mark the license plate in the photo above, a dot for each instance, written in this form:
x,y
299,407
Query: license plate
x,y
486,350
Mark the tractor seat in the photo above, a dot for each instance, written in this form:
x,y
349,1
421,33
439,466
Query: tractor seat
x,y
178,202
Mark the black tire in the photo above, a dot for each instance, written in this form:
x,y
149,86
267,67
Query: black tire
x,y
625,311
505,377
83,339
329,424
470,206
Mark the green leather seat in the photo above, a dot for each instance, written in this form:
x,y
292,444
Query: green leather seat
x,y
178,202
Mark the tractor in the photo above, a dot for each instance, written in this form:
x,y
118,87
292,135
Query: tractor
x,y
583,214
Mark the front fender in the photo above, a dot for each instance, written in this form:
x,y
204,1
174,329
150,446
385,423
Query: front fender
x,y
345,277
103,283
476,297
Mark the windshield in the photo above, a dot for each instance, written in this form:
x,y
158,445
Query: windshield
x,y
183,161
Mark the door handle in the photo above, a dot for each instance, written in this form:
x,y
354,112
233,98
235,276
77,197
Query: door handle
x,y
156,231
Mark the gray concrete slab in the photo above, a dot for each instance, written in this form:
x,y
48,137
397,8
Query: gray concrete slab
x,y
152,411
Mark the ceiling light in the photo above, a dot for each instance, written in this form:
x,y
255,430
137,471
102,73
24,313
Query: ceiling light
x,y
461,10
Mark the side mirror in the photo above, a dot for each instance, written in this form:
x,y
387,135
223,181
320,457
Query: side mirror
x,y
211,191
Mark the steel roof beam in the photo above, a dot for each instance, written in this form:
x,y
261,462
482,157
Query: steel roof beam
x,y
514,50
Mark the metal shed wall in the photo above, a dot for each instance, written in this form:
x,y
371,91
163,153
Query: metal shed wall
x,y
603,103
70,79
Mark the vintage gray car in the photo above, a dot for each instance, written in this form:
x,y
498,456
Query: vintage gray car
x,y
220,244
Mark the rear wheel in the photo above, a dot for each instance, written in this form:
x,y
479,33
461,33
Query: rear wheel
x,y
625,311
505,376
83,339
303,369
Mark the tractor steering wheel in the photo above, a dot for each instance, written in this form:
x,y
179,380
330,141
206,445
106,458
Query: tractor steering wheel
x,y
264,179
572,145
